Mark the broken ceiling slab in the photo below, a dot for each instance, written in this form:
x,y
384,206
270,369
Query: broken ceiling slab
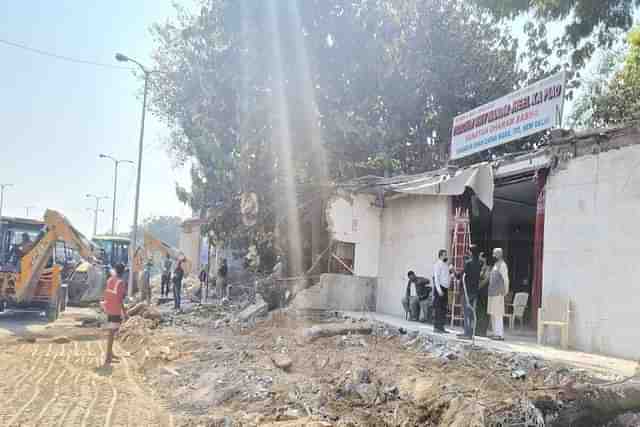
x,y
478,178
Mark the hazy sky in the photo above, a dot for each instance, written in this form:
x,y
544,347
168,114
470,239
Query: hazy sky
x,y
57,116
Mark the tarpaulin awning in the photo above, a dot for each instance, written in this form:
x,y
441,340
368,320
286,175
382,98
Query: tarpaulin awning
x,y
478,178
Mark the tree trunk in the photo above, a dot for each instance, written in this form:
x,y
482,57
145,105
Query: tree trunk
x,y
596,406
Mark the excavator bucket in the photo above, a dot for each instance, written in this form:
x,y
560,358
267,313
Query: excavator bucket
x,y
86,284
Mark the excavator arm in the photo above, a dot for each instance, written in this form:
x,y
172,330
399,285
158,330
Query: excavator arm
x,y
153,245
67,233
35,260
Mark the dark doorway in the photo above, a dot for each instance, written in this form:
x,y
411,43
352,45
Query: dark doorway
x,y
510,226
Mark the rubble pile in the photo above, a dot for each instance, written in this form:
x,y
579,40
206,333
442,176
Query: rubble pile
x,y
229,362
136,330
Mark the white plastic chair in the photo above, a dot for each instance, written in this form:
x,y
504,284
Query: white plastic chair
x,y
517,309
555,311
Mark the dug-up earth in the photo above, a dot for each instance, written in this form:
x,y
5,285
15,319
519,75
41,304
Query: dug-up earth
x,y
285,370
55,379
214,366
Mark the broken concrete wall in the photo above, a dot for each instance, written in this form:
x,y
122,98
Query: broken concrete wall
x,y
339,292
190,242
591,247
354,219
414,228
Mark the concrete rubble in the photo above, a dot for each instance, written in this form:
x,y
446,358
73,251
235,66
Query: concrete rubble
x,y
254,311
240,364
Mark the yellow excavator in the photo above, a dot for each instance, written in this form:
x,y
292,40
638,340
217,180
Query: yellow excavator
x,y
31,271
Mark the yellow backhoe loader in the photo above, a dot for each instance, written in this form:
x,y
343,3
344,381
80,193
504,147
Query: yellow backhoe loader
x,y
30,271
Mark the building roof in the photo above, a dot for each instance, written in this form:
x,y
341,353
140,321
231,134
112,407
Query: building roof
x,y
190,222
23,221
563,145
111,237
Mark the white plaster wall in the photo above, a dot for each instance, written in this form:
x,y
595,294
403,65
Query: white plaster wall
x,y
356,220
592,249
188,244
414,228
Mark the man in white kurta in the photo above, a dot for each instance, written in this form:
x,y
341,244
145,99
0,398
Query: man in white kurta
x,y
498,288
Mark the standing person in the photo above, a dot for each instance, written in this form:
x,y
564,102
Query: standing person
x,y
204,285
178,275
166,276
471,287
482,318
113,305
221,279
498,288
414,304
278,269
146,281
441,279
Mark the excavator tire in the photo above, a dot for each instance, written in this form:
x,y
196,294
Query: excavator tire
x,y
53,310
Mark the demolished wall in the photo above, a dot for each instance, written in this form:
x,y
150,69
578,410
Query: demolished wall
x,y
405,235
339,292
354,219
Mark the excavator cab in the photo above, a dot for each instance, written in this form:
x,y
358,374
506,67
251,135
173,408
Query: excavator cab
x,y
17,237
13,232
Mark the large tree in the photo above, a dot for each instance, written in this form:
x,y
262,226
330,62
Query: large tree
x,y
279,98
588,24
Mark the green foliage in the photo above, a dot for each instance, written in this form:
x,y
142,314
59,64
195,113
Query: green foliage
x,y
614,96
589,24
283,97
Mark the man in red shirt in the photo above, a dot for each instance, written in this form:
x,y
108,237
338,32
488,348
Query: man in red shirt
x,y
113,306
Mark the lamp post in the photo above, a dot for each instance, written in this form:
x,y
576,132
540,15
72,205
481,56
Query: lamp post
x,y
116,162
2,187
123,58
96,210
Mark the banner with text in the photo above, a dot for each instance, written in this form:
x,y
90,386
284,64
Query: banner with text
x,y
519,114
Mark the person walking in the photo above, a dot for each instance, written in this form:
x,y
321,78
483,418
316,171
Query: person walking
x,y
498,288
441,280
204,285
471,288
113,306
166,276
146,282
221,279
178,275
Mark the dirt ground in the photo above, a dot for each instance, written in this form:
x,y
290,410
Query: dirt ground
x,y
234,375
46,383
204,368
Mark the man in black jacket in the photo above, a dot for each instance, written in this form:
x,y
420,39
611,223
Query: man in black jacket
x,y
471,283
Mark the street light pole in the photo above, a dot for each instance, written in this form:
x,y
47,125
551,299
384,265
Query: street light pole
x,y
2,187
123,58
96,210
116,162
27,209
